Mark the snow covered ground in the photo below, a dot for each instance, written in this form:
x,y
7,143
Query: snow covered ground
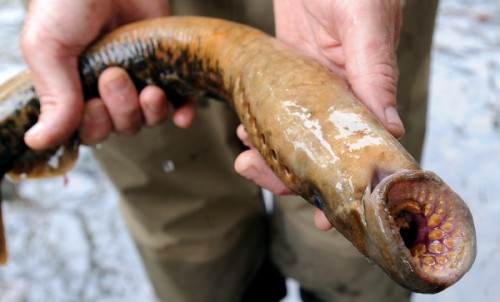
x,y
68,243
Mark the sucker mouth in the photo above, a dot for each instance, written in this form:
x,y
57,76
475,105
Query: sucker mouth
x,y
428,224
411,223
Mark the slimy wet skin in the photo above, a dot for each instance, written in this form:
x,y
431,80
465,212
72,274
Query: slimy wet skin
x,y
309,127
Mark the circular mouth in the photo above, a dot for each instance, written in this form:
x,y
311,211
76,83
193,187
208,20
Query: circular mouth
x,y
427,222
411,223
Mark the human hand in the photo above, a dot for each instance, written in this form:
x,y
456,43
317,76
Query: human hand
x,y
251,165
357,40
55,33
123,110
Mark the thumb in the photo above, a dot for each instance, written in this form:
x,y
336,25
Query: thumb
x,y
61,100
51,52
371,66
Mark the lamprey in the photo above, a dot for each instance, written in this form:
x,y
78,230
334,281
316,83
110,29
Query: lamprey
x,y
315,135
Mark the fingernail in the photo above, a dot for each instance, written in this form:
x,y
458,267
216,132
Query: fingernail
x,y
34,131
117,84
392,117
250,173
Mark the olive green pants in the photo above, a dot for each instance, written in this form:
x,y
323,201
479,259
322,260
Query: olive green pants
x,y
203,231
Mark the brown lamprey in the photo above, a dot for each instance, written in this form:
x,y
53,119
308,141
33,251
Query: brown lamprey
x,y
317,137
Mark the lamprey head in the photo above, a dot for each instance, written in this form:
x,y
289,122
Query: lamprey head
x,y
420,231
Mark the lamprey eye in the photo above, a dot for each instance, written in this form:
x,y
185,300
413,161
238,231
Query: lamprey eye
x,y
318,201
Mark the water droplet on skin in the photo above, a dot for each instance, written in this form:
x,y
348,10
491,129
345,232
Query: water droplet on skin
x,y
54,160
168,166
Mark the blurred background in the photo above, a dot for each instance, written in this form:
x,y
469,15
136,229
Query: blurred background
x,y
67,241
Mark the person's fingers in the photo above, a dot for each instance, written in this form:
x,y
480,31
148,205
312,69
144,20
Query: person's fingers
x,y
321,222
54,35
371,64
59,92
96,123
154,105
184,116
243,136
51,52
122,100
61,107
252,166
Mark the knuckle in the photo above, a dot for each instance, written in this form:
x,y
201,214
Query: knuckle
x,y
34,38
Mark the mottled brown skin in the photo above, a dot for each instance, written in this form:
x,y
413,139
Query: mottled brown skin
x,y
308,126
19,110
